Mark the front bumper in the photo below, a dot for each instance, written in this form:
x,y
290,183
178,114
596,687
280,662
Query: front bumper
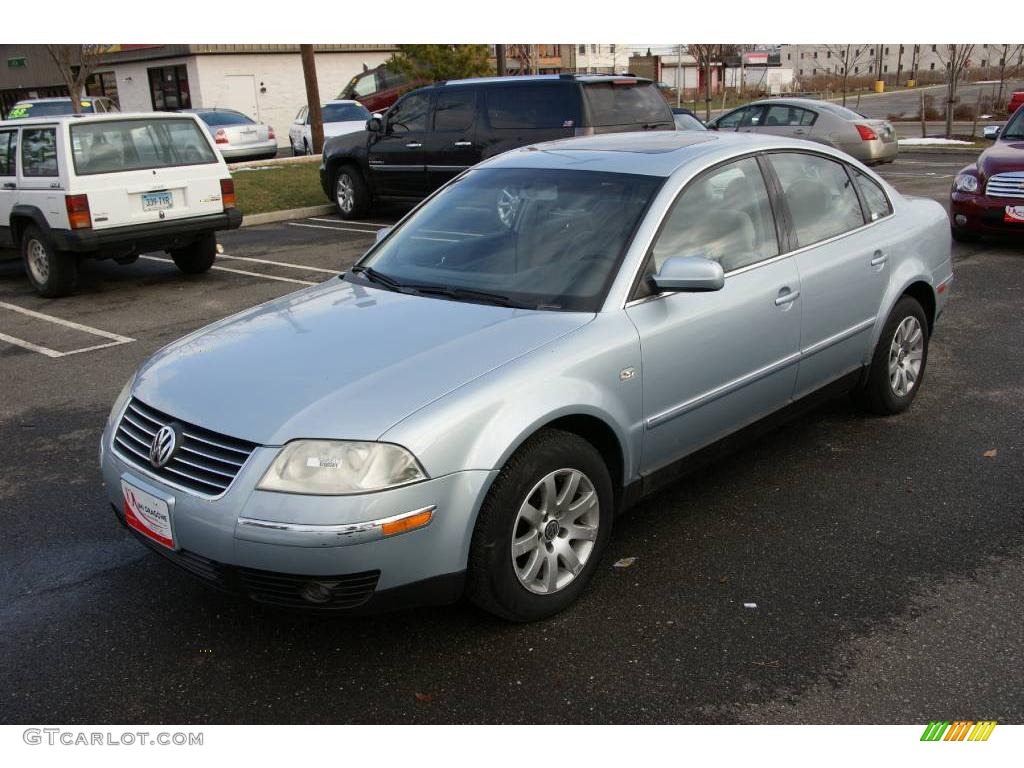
x,y
140,238
308,538
983,214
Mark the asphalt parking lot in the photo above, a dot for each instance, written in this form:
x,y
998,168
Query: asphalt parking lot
x,y
883,555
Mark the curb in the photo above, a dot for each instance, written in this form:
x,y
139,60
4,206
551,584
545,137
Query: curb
x,y
927,150
274,161
272,217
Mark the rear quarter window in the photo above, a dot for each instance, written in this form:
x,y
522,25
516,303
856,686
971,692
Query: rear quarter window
x,y
39,152
533,106
610,104
8,147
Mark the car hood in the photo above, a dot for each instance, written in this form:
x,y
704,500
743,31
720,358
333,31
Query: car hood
x,y
339,360
346,126
1001,157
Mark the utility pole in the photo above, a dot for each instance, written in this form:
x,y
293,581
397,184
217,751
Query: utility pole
x,y
316,119
899,65
499,55
679,66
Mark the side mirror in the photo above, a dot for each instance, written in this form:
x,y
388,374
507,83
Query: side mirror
x,y
382,233
689,274
375,124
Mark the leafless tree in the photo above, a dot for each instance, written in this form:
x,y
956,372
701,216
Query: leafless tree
x,y
76,63
955,58
1008,69
706,55
846,58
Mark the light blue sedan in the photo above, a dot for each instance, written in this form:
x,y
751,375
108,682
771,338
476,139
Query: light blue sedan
x,y
552,335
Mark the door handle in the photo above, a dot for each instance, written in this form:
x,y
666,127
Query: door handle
x,y
785,297
414,145
10,185
799,131
878,258
462,143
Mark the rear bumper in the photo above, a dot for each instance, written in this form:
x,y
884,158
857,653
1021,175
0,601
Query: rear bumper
x,y
984,215
876,151
155,236
261,151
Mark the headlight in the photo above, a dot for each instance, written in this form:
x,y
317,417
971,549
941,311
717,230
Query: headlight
x,y
965,182
330,467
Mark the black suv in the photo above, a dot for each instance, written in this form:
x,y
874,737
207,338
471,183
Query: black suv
x,y
432,134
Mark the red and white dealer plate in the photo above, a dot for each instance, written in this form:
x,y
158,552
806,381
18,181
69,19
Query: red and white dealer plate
x,y
1014,214
147,514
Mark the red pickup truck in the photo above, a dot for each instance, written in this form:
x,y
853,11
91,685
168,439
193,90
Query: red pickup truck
x,y
1016,101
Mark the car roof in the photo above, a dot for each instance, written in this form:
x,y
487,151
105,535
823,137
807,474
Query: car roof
x,y
52,99
649,153
564,78
342,101
89,117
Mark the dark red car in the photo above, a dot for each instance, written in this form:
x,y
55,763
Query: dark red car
x,y
988,197
378,88
1016,102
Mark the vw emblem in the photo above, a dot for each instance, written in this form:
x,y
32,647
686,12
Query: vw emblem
x,y
161,450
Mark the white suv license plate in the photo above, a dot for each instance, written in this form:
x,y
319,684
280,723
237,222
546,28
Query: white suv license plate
x,y
157,201
147,514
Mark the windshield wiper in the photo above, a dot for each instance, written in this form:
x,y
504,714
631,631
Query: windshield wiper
x,y
467,294
377,277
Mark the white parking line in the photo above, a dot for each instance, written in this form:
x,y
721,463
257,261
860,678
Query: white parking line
x,y
280,264
347,221
115,339
239,272
337,229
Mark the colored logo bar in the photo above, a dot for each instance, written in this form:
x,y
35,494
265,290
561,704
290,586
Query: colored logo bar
x,y
958,730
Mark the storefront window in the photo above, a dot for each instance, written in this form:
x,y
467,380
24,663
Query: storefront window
x,y
102,84
169,89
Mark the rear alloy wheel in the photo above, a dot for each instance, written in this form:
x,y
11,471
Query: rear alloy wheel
x,y
350,193
898,364
542,528
52,273
198,257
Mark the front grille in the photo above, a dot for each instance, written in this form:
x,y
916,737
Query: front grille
x,y
284,590
205,463
1006,185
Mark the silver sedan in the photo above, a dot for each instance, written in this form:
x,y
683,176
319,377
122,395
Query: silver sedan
x,y
543,341
870,141
238,137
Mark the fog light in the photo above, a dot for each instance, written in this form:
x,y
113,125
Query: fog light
x,y
960,219
317,591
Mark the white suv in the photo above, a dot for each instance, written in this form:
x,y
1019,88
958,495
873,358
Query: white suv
x,y
110,187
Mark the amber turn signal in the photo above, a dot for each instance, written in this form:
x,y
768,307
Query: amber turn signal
x,y
410,523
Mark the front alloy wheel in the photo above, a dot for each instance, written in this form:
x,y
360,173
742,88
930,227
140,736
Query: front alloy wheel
x,y
555,530
906,353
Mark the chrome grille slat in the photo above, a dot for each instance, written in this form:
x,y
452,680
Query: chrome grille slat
x,y
204,463
1006,185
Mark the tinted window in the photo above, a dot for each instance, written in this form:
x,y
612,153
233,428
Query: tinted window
x,y
731,121
344,113
389,79
620,104
8,145
532,106
409,114
781,114
685,122
550,237
820,195
363,85
874,196
39,152
724,215
214,119
124,145
454,110
1015,128
752,117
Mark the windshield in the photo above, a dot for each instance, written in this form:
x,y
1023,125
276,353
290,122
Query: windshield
x,y
1015,128
130,145
537,238
342,113
215,119
625,103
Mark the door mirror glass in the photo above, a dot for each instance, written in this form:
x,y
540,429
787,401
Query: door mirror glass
x,y
375,124
689,274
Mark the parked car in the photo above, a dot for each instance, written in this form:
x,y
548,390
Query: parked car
x,y
1016,102
870,141
549,337
238,137
378,88
686,120
432,134
339,118
110,187
991,131
988,196
60,106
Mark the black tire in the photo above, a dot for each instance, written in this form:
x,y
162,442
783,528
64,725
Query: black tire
x,y
360,201
492,583
964,235
877,394
198,257
52,273
305,148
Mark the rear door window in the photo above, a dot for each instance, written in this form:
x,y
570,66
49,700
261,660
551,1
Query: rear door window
x,y
455,110
532,106
624,103
820,196
39,152
8,150
131,145
783,115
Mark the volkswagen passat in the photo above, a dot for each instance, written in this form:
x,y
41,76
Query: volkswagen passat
x,y
533,348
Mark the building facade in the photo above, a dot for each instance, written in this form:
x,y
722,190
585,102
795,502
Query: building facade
x,y
264,82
